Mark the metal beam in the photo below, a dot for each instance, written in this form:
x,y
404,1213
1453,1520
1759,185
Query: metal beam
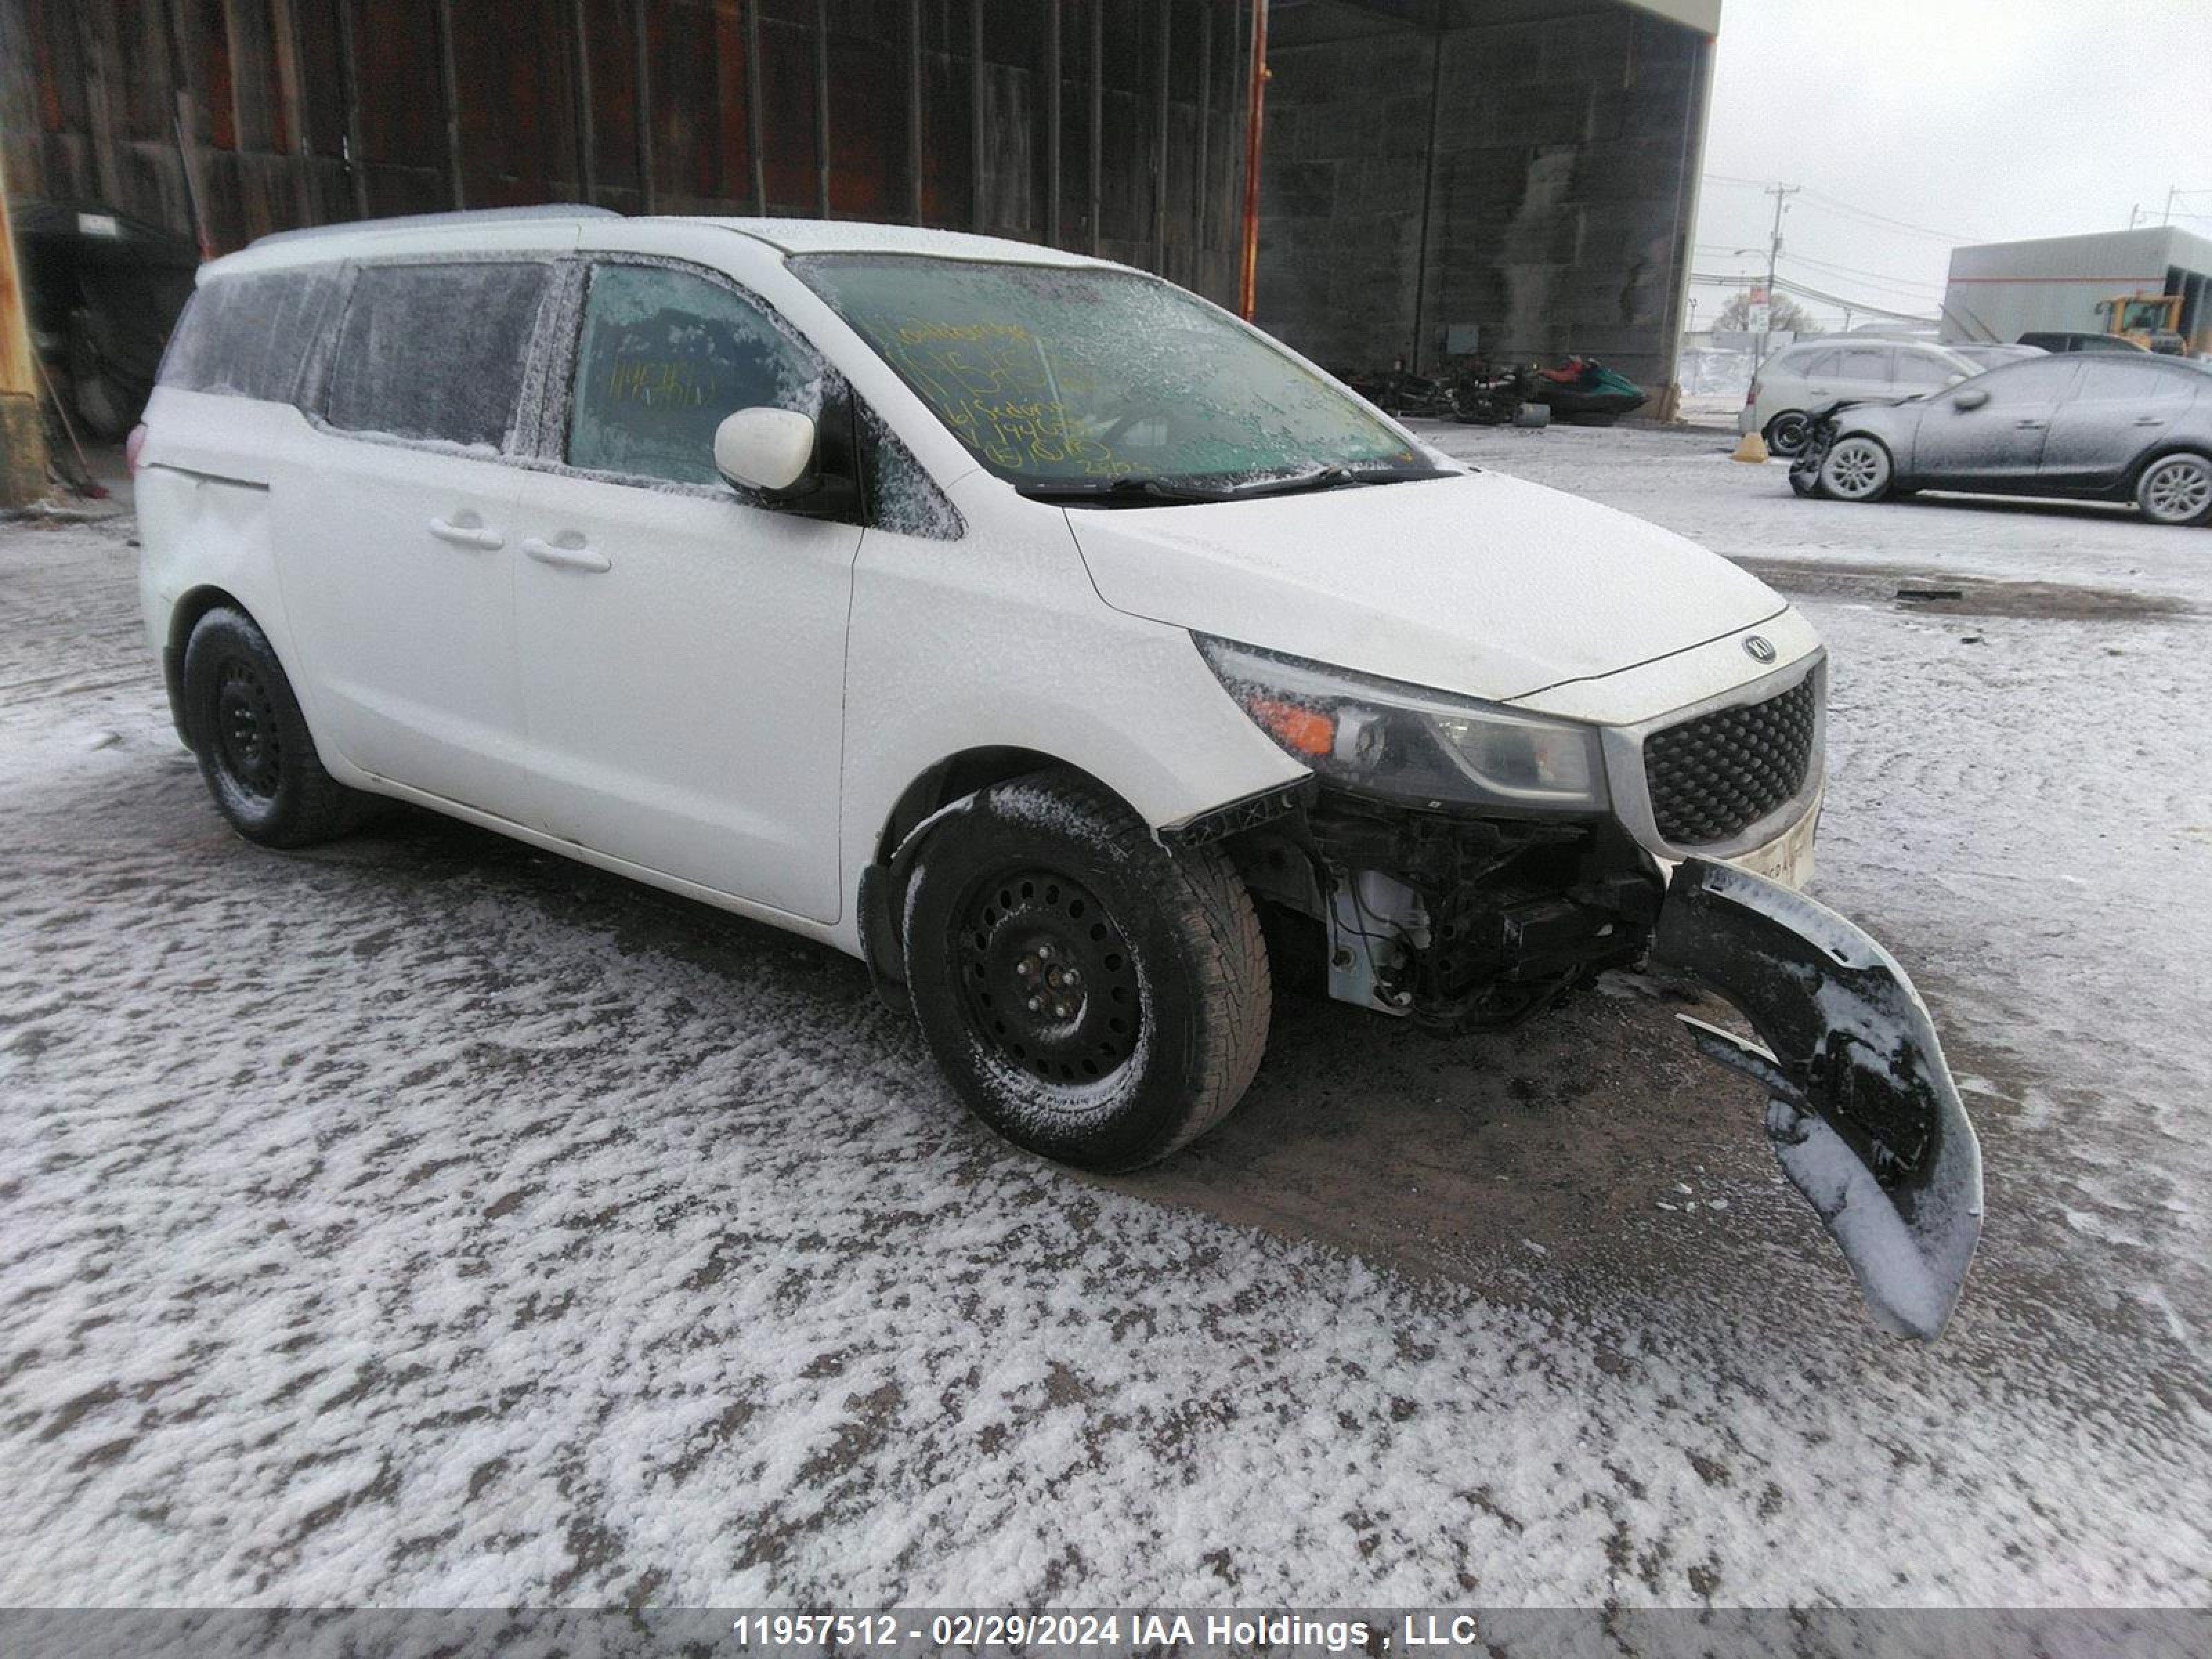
x,y
754,125
914,109
1204,175
1164,12
588,143
976,115
349,85
1052,158
641,56
449,85
291,90
822,105
1097,116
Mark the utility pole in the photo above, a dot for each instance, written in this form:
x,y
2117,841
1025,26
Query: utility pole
x,y
23,431
2166,217
1781,193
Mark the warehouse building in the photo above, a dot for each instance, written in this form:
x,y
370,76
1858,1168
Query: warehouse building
x,y
1515,177
2070,285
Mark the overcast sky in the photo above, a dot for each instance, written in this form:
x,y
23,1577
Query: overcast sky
x,y
1976,120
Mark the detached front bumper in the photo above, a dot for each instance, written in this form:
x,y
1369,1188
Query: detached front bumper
x,y
1861,1111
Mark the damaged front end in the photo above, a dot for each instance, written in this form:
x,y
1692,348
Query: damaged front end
x,y
1462,866
1861,1111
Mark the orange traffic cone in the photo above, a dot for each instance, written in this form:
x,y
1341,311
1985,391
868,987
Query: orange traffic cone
x,y
1753,449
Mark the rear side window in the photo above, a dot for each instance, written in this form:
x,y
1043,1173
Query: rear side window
x,y
436,352
1816,363
248,337
1864,363
2111,379
665,356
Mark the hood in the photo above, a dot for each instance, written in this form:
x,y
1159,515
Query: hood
x,y
1479,584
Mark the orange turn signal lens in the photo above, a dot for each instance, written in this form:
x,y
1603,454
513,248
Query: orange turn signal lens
x,y
1303,731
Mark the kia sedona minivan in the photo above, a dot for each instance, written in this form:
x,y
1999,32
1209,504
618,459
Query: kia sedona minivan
x,y
1070,651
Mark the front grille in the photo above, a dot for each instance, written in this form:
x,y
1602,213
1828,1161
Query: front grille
x,y
1713,777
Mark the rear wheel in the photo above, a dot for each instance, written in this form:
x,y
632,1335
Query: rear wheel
x,y
1089,995
255,753
1788,434
2176,490
1856,469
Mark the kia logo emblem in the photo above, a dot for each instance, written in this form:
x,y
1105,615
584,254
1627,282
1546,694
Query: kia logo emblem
x,y
1759,648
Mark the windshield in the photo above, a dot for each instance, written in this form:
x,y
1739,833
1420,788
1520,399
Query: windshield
x,y
1076,379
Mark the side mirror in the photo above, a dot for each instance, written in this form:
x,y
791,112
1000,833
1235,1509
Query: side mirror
x,y
1973,397
768,453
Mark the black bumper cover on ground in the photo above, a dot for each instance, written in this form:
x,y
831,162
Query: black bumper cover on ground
x,y
1862,1112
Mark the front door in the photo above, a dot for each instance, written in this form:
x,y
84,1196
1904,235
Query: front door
x,y
682,651
1988,433
396,538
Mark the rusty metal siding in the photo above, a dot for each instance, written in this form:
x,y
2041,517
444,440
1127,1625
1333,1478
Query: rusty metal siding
x,y
314,110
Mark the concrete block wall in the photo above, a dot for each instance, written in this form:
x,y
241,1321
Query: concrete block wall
x,y
1558,198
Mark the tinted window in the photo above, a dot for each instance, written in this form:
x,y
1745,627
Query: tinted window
x,y
1865,363
2042,381
435,351
1914,370
247,336
665,356
1815,364
2110,378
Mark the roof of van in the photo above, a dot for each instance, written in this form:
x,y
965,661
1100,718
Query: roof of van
x,y
456,231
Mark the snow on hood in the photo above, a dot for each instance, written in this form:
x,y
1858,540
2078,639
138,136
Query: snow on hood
x,y
1480,584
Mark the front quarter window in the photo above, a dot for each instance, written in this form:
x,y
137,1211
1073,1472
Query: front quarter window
x,y
1072,378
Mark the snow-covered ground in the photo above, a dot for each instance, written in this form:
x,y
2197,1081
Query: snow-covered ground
x,y
426,1220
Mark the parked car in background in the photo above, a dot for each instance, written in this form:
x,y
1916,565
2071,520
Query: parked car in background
x,y
2101,427
1814,373
2061,343
1071,651
1988,355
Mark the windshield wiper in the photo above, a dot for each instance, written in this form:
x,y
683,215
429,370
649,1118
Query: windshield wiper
x,y
1158,489
1164,490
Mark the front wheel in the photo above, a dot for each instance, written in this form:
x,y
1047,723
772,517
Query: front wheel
x,y
1856,469
1091,996
2176,490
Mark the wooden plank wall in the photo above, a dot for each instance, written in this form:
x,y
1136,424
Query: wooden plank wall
x,y
304,112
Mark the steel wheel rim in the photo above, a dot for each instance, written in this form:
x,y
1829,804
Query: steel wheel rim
x,y
1855,469
248,749
1048,981
2179,489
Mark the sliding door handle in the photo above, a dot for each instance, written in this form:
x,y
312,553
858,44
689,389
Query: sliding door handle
x,y
468,535
566,558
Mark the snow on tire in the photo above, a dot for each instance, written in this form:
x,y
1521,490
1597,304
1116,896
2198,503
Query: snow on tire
x,y
1091,995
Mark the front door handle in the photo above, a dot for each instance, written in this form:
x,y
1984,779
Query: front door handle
x,y
478,536
2150,420
561,557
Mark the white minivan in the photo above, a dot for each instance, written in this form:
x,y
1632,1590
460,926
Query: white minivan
x,y
1067,649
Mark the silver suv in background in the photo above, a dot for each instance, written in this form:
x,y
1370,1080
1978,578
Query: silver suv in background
x,y
1814,373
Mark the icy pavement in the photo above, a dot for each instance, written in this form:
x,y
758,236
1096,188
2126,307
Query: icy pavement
x,y
427,1220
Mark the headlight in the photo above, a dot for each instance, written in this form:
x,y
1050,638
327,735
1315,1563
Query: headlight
x,y
1424,747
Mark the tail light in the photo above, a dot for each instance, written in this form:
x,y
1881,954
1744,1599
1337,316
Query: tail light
x,y
132,445
1750,397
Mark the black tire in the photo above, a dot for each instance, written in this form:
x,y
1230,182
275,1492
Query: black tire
x,y
1788,434
1157,1034
254,748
